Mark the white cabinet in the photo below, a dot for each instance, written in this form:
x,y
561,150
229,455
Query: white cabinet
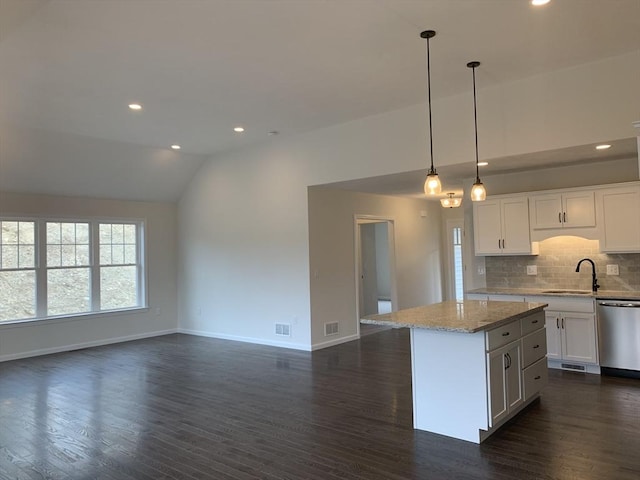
x,y
572,341
619,211
505,381
571,337
562,210
516,365
501,226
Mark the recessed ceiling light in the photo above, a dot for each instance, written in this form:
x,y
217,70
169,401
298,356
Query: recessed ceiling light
x,y
539,3
175,146
604,146
238,129
483,164
135,106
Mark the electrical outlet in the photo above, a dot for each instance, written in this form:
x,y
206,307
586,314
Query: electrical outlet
x,y
532,269
613,270
480,270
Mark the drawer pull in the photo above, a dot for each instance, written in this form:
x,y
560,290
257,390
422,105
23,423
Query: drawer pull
x,y
534,321
537,377
536,346
505,334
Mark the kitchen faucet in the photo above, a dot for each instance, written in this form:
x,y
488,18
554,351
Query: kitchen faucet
x,y
594,280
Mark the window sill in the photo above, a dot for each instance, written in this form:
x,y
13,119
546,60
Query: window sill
x,y
71,318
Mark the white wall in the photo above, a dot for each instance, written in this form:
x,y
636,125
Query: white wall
x,y
244,247
332,255
47,336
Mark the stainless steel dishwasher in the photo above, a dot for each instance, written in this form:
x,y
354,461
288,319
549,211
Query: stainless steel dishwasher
x,y
619,337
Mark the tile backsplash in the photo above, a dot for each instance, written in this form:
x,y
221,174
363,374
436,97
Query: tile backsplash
x,y
556,265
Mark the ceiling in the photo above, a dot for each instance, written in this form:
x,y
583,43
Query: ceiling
x,y
201,67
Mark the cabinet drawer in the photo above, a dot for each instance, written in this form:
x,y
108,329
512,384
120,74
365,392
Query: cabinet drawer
x,y
535,378
502,335
534,347
532,323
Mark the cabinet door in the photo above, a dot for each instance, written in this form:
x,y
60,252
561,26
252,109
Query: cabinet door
x,y
579,337
497,364
554,339
505,381
513,372
515,225
620,218
578,209
545,211
487,227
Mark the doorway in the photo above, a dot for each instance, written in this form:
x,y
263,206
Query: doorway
x,y
375,266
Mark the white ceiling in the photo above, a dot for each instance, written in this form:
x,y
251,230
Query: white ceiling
x,y
200,67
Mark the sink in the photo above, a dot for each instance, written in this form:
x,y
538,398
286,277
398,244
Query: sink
x,y
567,291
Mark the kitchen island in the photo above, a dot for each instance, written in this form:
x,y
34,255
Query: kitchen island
x,y
475,364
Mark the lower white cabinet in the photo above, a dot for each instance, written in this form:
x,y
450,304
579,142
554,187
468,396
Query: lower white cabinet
x,y
505,381
516,365
571,336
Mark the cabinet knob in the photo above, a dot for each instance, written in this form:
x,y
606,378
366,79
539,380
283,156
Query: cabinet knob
x,y
536,377
505,334
536,346
534,321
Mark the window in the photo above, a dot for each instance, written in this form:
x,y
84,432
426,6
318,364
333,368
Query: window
x,y
17,270
54,268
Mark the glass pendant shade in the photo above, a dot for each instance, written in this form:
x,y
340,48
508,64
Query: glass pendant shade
x,y
450,201
478,192
432,185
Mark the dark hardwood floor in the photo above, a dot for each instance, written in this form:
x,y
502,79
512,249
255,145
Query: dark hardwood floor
x,y
184,407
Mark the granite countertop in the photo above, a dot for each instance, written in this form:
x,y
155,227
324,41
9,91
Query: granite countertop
x,y
545,292
468,316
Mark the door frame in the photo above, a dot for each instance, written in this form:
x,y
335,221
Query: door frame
x,y
359,219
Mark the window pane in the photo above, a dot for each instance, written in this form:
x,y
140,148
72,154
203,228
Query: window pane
x,y
17,295
68,255
130,234
9,256
105,233
53,232
26,257
9,233
25,230
82,233
117,254
68,232
82,255
118,287
130,254
68,291
117,233
53,256
105,254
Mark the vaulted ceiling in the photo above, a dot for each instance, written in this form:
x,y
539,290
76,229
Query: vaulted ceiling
x,y
200,67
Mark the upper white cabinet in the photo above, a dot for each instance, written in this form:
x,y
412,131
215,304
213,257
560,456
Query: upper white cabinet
x,y
501,226
562,210
619,211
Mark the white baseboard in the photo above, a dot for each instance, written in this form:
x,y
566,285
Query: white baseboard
x,y
335,341
78,346
237,338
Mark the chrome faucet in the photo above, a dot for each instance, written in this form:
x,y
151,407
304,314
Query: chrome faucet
x,y
594,280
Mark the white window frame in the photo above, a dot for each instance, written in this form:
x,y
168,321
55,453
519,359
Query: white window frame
x,y
41,267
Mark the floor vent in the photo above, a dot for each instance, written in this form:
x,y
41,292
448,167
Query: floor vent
x,y
570,366
283,329
330,328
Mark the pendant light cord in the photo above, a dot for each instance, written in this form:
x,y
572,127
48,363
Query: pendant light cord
x,y
432,170
475,121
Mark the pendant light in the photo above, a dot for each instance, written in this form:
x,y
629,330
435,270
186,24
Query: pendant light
x,y
432,185
450,201
478,192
